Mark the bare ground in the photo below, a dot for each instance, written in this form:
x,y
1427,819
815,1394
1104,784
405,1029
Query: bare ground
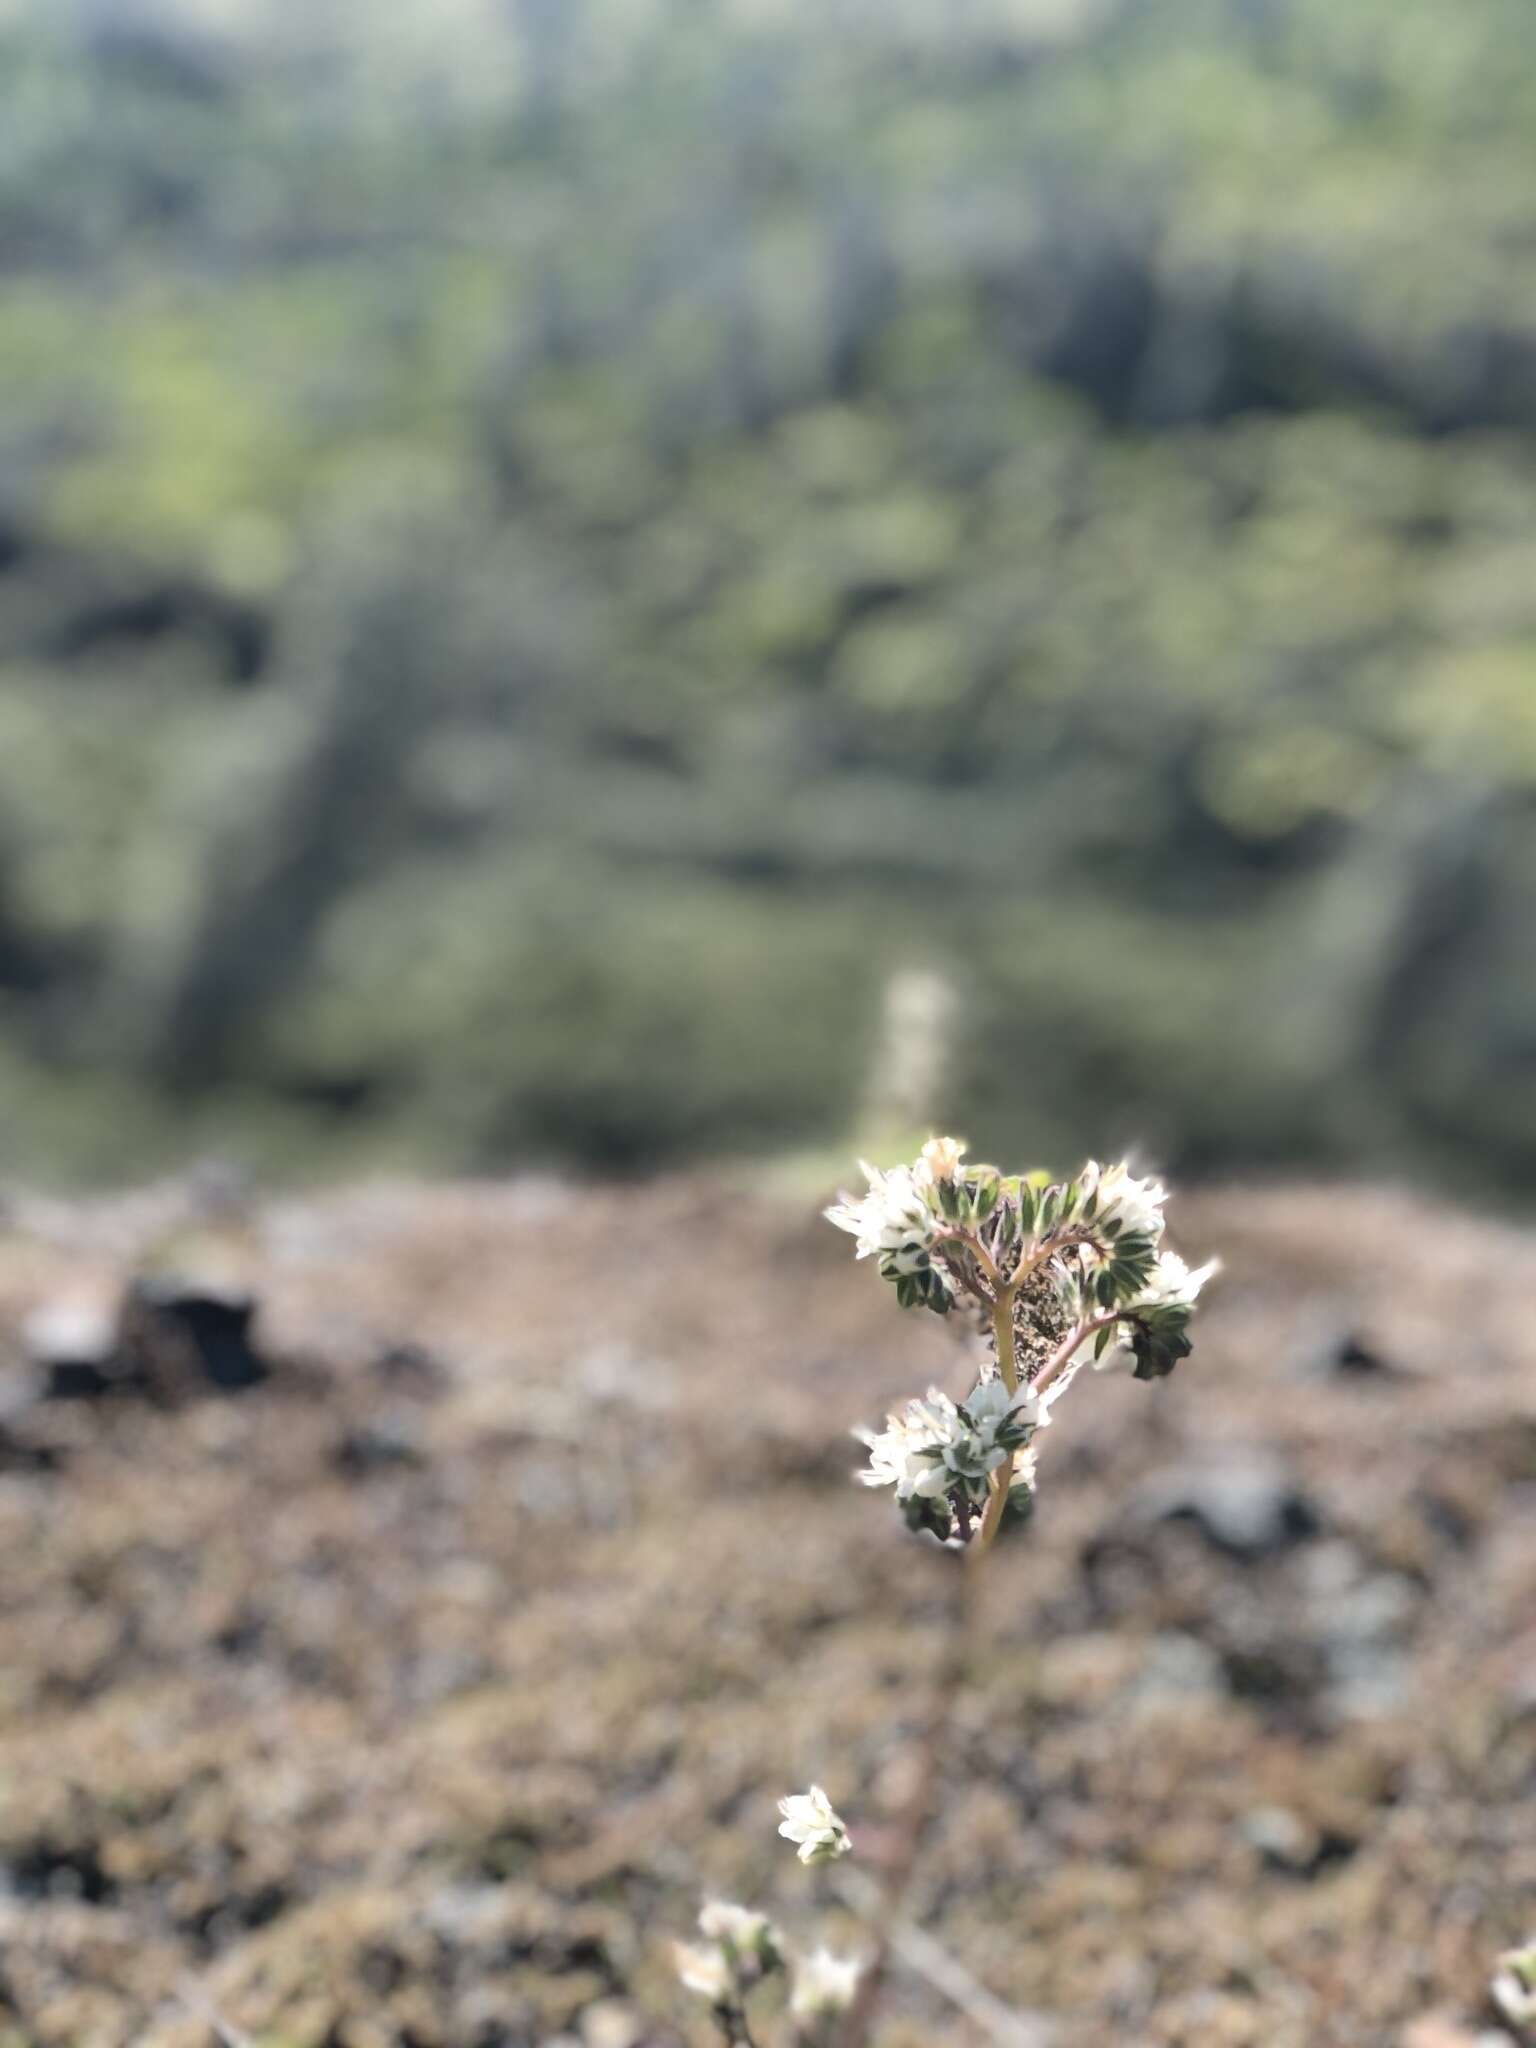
x,y
411,1699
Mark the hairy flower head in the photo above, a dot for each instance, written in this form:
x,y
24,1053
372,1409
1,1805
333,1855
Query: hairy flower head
x,y
824,1983
705,1970
936,1445
1173,1285
738,1927
811,1821
1124,1203
891,1220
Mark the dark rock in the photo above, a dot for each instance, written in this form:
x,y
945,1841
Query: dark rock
x,y
1247,1506
183,1338
1355,1358
234,1913
75,1379
376,1447
1276,1672
1290,1844
47,1869
18,1453
1349,1354
410,1369
1333,1349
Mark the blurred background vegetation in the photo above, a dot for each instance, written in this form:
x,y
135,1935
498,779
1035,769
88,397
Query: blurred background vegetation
x,y
549,548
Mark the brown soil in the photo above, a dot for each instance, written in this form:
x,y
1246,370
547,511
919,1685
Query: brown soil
x,y
412,1699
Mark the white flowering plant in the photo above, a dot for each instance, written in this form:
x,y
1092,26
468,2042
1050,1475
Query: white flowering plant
x,y
1050,1266
1055,1274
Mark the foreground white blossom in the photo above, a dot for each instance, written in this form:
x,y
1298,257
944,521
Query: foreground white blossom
x,y
742,1929
899,1455
892,1220
705,1970
936,1444
1514,1985
1133,1206
824,1983
989,1404
1173,1285
811,1820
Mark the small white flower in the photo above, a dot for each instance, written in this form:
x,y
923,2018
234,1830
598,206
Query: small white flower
x,y
935,1445
810,1820
1514,1985
940,1159
745,1931
902,1454
705,1970
989,1403
1173,1285
824,1983
999,1421
892,1220
1135,1205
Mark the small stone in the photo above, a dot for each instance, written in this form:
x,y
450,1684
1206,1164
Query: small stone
x,y
611,2023
1281,1837
1437,2030
1248,1506
1353,1356
74,1347
410,1369
1179,1666
373,1447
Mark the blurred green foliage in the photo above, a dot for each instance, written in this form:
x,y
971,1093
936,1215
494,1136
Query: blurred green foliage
x,y
546,553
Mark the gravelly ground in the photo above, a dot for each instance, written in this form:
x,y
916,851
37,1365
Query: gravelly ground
x,y
413,1697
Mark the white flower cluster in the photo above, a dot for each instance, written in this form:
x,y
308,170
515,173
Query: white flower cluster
x,y
936,1446
891,1220
1171,1289
811,1820
1052,1268
739,1948
1051,1265
742,1947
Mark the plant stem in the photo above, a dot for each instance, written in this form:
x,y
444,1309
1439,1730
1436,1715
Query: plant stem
x,y
1061,1357
1002,1336
998,1490
1001,1481
917,1815
969,1242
